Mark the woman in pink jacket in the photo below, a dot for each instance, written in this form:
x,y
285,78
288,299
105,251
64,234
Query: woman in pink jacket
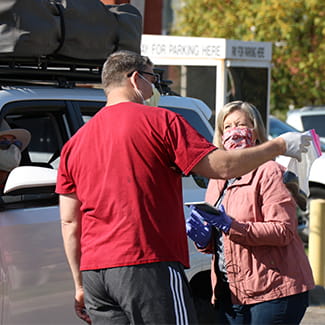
x,y
260,273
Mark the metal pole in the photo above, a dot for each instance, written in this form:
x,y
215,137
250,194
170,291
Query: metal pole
x,y
317,240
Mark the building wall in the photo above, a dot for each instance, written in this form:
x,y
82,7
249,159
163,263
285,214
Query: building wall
x,y
153,17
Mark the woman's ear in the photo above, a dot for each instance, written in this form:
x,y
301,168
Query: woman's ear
x,y
254,137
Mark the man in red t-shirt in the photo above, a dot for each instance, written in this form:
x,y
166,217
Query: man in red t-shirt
x,y
121,205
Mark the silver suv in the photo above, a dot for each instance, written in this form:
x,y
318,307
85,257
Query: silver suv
x,y
35,281
316,179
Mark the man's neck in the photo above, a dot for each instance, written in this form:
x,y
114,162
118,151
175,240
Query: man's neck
x,y
121,95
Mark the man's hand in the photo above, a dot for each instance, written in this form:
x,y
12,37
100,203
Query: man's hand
x,y
220,220
79,306
296,143
197,231
81,312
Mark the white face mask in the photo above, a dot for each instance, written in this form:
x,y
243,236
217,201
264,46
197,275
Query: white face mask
x,y
147,81
154,99
10,158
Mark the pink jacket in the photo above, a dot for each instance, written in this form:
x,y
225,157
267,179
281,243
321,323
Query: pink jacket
x,y
264,254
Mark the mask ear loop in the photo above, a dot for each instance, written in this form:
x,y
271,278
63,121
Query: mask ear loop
x,y
145,79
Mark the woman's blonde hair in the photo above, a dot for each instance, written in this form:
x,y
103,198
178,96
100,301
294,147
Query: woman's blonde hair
x,y
250,110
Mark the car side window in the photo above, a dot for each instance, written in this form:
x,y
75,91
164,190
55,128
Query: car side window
x,y
89,109
44,142
50,127
51,124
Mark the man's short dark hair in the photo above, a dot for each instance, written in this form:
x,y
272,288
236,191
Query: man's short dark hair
x,y
120,64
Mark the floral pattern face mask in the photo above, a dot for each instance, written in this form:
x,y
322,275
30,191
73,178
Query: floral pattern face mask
x,y
238,138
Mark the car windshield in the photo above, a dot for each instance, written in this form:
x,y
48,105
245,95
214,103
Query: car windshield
x,y
277,127
316,122
194,119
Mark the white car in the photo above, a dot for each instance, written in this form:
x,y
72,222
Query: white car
x,y
308,117
316,176
36,283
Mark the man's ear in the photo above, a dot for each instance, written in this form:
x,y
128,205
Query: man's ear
x,y
133,79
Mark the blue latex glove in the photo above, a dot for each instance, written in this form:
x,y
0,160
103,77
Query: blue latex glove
x,y
221,220
197,231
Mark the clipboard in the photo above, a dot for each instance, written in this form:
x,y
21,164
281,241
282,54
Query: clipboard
x,y
203,206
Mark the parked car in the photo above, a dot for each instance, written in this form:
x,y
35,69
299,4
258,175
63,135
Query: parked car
x,y
35,280
316,177
308,117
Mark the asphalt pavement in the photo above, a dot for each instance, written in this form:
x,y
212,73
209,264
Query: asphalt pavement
x,y
315,314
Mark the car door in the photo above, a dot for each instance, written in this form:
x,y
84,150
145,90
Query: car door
x,y
36,282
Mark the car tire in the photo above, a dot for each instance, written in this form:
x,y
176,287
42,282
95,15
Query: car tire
x,y
201,290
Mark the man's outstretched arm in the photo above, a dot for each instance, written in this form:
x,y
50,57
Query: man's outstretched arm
x,y
235,163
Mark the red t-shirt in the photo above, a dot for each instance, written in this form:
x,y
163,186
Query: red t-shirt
x,y
124,166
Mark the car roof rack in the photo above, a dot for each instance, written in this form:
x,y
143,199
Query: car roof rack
x,y
63,72
60,71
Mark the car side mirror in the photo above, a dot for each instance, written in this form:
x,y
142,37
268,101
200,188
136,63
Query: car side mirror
x,y
30,179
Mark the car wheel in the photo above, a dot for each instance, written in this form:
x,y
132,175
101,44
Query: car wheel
x,y
202,292
303,216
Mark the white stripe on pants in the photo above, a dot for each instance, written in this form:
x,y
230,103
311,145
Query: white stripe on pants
x,y
178,297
